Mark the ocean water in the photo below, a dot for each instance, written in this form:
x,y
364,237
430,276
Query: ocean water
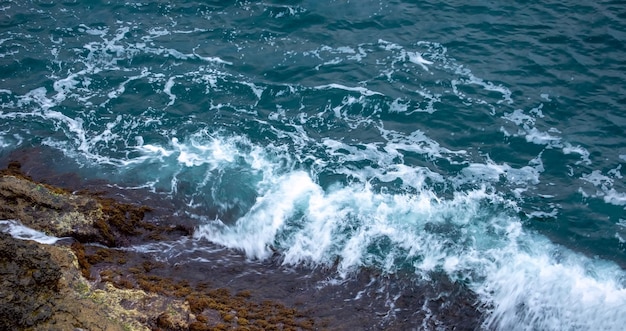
x,y
477,142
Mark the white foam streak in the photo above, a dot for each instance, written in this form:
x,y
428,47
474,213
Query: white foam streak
x,y
492,172
72,126
604,185
364,91
197,152
541,138
213,59
19,231
122,87
584,154
167,89
532,134
417,58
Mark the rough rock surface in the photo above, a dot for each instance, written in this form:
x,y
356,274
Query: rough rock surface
x,y
41,291
85,217
42,288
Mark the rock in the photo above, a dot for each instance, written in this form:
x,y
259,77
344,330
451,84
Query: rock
x,y
42,288
37,291
48,287
54,211
28,278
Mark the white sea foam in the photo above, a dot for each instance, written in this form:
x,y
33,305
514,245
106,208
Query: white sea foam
x,y
491,172
256,231
279,11
4,142
523,280
417,141
167,89
84,140
417,58
362,90
584,154
615,198
122,87
19,231
546,287
527,128
541,138
605,186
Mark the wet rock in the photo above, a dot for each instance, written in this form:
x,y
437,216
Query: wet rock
x,y
28,279
42,288
86,217
36,290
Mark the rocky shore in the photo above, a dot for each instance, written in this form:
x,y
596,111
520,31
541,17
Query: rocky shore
x,y
127,260
88,281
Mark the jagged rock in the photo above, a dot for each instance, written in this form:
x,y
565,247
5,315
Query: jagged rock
x,y
28,279
42,288
85,217
54,212
36,291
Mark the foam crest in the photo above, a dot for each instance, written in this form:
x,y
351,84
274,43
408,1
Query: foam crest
x,y
470,236
354,221
535,285
361,90
256,231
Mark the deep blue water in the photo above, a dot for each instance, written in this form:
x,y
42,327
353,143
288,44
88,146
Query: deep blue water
x,y
484,141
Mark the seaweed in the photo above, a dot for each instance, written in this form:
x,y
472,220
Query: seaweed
x,y
83,261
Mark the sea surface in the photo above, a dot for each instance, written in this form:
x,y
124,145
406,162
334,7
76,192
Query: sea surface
x,y
472,147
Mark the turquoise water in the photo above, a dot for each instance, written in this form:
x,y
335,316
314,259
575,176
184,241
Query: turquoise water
x,y
483,141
